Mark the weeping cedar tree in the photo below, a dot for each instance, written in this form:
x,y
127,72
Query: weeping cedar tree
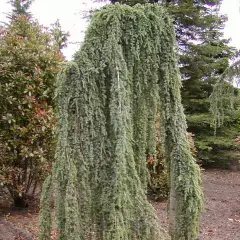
x,y
223,94
107,102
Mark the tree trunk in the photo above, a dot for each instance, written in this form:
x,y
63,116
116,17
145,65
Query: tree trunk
x,y
20,202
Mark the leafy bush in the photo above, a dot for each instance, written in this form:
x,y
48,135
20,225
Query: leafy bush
x,y
158,187
29,61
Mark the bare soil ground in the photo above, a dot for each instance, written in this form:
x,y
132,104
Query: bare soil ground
x,y
18,224
221,217
219,221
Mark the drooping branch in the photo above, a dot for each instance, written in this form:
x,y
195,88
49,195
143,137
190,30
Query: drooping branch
x,y
45,223
222,94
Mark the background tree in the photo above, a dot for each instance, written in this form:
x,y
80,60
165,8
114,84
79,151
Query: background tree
x,y
60,37
29,61
133,2
20,7
203,58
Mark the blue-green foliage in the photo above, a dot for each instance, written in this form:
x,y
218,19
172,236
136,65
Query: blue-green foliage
x,y
107,101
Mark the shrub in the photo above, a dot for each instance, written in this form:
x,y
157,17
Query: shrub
x,y
158,187
29,60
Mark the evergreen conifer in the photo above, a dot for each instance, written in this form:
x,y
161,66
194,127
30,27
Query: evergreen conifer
x,y
107,101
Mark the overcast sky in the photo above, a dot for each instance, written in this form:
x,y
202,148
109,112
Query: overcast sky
x,y
71,12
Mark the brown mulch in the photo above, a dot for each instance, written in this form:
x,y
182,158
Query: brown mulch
x,y
18,224
219,221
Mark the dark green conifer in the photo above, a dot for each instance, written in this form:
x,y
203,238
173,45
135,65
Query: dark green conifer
x,y
21,7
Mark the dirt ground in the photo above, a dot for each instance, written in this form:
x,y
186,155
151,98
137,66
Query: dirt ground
x,y
219,221
221,217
